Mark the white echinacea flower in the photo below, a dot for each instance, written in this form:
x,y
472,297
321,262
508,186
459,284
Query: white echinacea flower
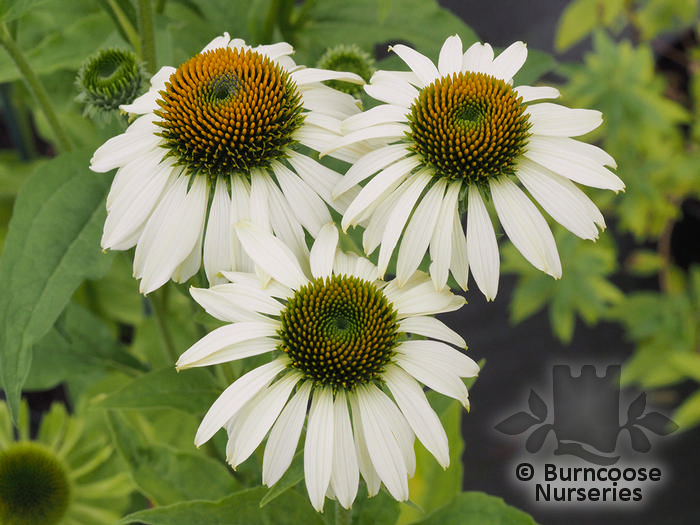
x,y
337,337
229,121
455,134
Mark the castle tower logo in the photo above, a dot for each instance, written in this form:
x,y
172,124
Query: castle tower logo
x,y
585,417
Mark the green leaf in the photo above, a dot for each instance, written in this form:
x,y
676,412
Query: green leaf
x,y
240,508
293,475
432,486
581,17
80,344
477,508
583,290
688,414
192,391
369,23
13,9
381,509
167,475
53,245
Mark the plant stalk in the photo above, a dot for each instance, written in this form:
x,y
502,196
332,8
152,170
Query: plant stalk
x,y
36,88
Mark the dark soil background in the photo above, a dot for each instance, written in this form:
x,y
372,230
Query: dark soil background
x,y
520,358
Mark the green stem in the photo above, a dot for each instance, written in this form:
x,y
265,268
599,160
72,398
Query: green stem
x,y
36,88
342,516
160,6
159,302
126,25
147,35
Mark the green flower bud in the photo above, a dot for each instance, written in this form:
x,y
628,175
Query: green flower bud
x,y
108,79
347,58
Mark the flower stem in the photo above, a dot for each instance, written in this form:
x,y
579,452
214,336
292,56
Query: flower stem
x,y
127,27
36,88
146,33
342,516
159,302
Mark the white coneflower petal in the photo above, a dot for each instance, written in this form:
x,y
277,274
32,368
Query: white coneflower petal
x,y
170,234
236,396
509,61
219,304
421,65
374,116
284,436
129,209
382,445
397,216
318,448
272,255
459,260
383,181
451,58
478,58
422,418
308,206
438,353
339,335
323,251
229,120
419,232
224,337
530,93
559,121
432,327
468,127
345,475
391,88
264,409
482,247
369,165
310,75
217,250
322,180
442,239
525,226
118,151
567,204
574,160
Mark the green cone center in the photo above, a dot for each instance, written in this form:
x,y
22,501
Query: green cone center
x,y
34,488
339,331
229,110
469,126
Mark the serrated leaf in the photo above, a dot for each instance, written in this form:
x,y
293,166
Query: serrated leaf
x,y
240,508
658,423
80,344
191,391
52,246
536,439
167,475
517,423
640,442
637,407
477,508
